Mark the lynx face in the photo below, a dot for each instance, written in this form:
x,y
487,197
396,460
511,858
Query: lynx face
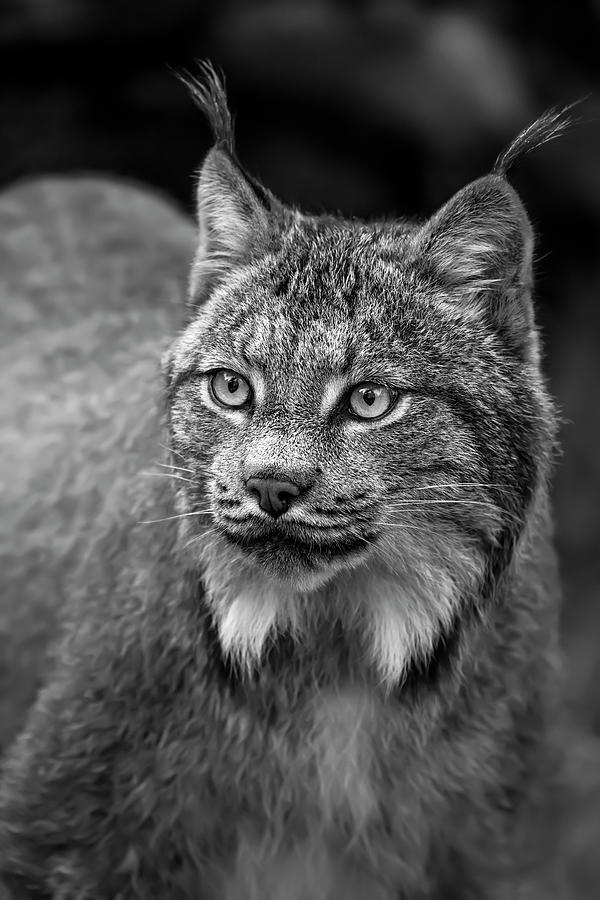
x,y
302,385
356,409
298,409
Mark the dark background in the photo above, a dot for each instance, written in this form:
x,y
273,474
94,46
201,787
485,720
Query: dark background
x,y
366,108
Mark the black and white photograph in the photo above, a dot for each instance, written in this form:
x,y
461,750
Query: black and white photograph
x,y
299,450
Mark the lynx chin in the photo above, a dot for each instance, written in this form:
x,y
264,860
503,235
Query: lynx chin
x,y
324,665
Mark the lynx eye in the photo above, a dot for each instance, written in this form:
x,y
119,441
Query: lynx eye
x,y
370,400
229,388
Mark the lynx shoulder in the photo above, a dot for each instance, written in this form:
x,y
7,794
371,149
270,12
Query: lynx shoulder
x,y
92,286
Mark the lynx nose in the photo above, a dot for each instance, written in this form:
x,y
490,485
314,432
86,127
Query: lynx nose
x,y
274,496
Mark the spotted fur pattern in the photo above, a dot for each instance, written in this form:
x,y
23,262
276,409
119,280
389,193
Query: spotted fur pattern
x,y
358,698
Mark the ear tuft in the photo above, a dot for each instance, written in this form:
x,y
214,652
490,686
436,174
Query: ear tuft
x,y
208,93
232,207
552,124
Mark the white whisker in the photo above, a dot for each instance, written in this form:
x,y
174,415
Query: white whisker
x,y
435,502
208,532
172,450
201,512
178,468
173,476
455,484
197,537
407,505
402,525
388,546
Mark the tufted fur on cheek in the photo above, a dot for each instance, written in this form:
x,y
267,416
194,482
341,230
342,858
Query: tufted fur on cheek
x,y
396,606
251,607
248,607
408,599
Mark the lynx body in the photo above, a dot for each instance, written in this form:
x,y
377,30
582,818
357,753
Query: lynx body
x,y
318,660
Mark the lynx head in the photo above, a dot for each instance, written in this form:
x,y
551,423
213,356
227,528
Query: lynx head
x,y
357,409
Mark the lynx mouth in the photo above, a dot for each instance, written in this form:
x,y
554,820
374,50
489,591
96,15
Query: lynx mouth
x,y
295,546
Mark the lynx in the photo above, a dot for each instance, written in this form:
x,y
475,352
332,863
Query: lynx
x,y
318,658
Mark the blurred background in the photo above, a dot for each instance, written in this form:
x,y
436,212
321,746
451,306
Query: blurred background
x,y
367,108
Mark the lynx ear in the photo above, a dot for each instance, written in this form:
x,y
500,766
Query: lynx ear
x,y
232,208
479,246
232,219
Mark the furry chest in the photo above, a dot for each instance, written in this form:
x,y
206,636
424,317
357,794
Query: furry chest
x,y
317,838
338,752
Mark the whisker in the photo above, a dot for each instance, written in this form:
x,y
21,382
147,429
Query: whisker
x,y
201,512
365,540
404,504
407,505
435,501
455,484
178,468
197,537
417,505
386,544
172,450
198,466
402,525
173,476
383,543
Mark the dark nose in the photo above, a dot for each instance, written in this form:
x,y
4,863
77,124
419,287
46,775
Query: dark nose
x,y
274,496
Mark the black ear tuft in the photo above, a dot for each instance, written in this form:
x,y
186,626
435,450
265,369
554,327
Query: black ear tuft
x,y
208,92
233,208
550,125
